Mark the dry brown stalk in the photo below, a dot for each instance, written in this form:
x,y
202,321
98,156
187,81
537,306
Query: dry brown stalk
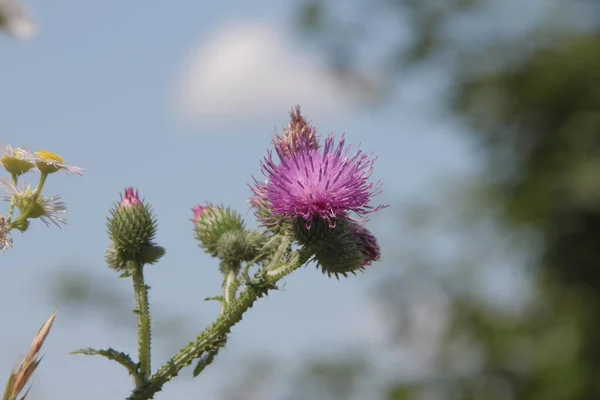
x,y
20,376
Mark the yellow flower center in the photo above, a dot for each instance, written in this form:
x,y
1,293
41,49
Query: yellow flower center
x,y
49,157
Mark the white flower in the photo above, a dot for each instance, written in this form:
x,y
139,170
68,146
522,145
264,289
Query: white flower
x,y
47,209
16,160
8,187
49,163
52,209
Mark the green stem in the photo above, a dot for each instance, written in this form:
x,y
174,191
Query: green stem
x,y
11,208
40,185
231,286
210,339
140,291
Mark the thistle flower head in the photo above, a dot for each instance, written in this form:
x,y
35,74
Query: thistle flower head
x,y
328,183
299,134
50,163
131,224
132,227
15,160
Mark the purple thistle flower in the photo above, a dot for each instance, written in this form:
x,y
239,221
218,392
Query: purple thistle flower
x,y
323,182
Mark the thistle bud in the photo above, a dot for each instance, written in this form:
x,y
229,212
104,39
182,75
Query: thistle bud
x,y
346,248
263,212
211,223
132,227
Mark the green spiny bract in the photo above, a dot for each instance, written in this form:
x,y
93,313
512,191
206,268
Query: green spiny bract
x,y
212,223
346,248
222,234
132,228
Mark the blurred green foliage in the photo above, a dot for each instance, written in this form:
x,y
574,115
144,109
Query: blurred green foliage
x,y
530,96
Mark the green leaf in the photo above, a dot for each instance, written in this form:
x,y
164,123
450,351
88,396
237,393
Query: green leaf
x,y
209,356
113,355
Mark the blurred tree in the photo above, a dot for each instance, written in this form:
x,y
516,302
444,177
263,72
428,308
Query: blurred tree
x,y
525,77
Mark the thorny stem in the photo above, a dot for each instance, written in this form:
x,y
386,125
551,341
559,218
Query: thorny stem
x,y
229,288
140,291
210,340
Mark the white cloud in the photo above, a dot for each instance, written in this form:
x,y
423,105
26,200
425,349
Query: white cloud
x,y
251,70
15,19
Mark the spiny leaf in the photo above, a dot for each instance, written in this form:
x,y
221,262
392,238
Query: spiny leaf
x,y
210,355
113,355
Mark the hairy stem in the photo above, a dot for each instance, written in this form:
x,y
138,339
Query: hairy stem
x,y
209,341
140,292
13,198
231,286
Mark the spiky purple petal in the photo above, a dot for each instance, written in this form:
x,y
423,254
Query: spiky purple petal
x,y
325,183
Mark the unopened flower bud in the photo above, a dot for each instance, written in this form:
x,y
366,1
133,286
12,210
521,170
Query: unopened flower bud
x,y
236,246
132,227
262,210
367,242
115,259
211,223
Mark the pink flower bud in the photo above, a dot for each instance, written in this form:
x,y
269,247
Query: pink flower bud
x,y
130,198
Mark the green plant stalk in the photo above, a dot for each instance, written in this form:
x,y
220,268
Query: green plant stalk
x,y
140,292
231,286
11,208
40,186
209,340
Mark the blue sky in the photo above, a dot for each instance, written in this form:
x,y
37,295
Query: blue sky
x,y
101,84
